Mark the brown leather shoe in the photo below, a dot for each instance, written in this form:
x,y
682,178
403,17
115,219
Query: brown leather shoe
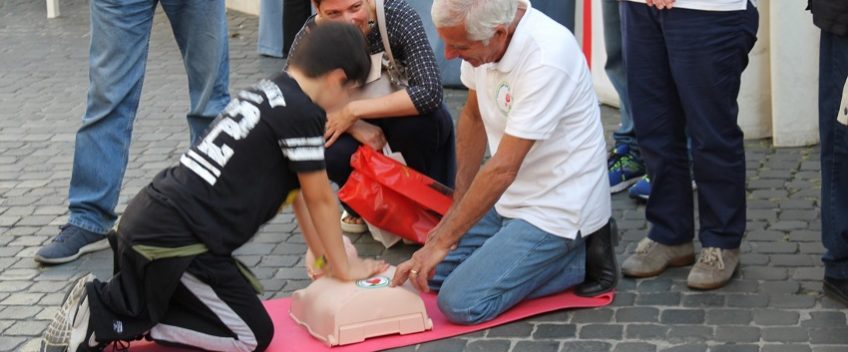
x,y
714,268
652,258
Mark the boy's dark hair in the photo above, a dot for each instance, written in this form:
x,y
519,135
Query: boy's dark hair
x,y
333,45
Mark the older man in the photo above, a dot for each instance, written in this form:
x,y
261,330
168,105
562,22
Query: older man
x,y
518,223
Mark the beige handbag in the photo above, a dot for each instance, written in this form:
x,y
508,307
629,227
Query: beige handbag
x,y
386,76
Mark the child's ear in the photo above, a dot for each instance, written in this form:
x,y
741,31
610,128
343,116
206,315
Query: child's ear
x,y
337,78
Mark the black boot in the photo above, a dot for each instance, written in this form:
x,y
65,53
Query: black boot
x,y
836,289
601,266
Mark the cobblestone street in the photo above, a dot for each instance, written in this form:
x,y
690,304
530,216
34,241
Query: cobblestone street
x,y
774,304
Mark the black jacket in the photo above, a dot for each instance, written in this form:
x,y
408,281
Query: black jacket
x,y
830,15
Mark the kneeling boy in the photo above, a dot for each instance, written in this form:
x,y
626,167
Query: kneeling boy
x,y
177,282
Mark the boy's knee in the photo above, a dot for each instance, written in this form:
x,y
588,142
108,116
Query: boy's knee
x,y
264,333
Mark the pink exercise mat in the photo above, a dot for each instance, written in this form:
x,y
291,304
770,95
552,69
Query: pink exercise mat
x,y
289,336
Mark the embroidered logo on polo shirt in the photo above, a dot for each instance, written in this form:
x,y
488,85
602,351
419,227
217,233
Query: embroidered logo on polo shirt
x,y
503,96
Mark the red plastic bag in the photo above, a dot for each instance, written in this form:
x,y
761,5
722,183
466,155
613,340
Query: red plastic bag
x,y
394,197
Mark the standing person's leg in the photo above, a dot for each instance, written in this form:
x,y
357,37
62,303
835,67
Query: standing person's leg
x,y
625,162
517,261
120,31
708,51
270,41
200,29
616,71
833,72
660,123
295,13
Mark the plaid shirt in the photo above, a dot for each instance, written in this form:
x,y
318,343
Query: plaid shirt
x,y
409,47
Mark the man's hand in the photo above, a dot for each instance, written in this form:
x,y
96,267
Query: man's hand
x,y
367,134
661,4
419,268
338,122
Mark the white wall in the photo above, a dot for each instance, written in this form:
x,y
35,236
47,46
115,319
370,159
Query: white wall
x,y
794,58
246,6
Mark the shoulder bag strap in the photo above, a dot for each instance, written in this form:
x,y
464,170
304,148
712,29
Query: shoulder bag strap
x,y
384,35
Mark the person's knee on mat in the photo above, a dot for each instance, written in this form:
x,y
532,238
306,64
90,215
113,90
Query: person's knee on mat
x,y
459,308
264,334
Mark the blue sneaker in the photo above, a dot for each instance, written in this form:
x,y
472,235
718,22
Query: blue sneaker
x,y
642,189
624,168
71,243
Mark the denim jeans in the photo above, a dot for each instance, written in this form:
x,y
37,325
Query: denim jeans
x,y
270,41
120,32
684,70
833,71
617,74
501,262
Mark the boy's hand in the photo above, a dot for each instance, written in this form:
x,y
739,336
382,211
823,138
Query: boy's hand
x,y
359,268
311,271
316,273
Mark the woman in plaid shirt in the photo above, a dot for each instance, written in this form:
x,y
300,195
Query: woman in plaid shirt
x,y
413,121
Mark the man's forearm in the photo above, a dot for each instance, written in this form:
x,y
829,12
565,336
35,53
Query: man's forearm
x,y
485,189
482,194
470,147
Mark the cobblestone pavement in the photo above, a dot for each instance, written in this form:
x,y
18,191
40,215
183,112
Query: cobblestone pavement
x,y
775,303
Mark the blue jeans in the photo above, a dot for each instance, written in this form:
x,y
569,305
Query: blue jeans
x,y
684,70
833,71
120,31
617,74
501,262
270,41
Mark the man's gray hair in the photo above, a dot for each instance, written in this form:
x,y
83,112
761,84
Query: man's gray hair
x,y
481,17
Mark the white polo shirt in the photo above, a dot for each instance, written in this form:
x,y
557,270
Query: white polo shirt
x,y
542,90
710,5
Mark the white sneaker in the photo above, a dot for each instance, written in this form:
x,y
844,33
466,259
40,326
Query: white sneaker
x,y
58,334
81,332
